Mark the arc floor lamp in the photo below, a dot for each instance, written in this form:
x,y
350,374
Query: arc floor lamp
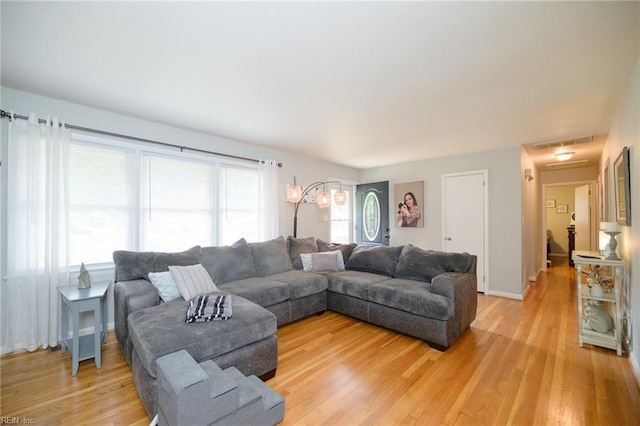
x,y
295,195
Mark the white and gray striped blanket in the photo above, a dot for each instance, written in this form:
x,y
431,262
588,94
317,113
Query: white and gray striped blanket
x,y
209,308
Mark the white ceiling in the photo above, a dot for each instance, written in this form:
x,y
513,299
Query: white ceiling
x,y
357,83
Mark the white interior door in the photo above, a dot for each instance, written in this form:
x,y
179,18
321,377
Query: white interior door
x,y
465,218
583,218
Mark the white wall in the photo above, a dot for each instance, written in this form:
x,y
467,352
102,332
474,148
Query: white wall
x,y
625,131
582,174
532,256
305,169
505,239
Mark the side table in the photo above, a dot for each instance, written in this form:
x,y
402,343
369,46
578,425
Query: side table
x,y
78,300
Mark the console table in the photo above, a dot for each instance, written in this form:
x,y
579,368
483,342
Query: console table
x,y
612,339
78,300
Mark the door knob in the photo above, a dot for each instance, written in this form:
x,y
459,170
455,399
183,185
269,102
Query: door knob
x,y
448,238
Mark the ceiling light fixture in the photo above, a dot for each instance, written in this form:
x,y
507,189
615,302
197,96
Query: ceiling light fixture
x,y
564,156
567,163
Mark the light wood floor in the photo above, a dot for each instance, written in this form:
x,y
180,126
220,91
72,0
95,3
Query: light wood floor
x,y
518,364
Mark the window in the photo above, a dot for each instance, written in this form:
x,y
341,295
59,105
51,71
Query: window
x,y
125,198
341,218
100,202
239,205
178,203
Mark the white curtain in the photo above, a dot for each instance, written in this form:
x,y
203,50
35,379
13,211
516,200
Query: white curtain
x,y
269,198
37,220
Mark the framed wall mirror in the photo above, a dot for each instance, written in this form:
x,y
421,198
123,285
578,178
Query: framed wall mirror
x,y
622,187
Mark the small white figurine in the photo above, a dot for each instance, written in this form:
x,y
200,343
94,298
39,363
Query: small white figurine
x,y
84,281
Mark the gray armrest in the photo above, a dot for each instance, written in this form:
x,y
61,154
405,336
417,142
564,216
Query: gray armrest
x,y
130,296
462,288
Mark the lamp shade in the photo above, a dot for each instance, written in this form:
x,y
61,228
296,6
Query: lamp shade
x,y
340,197
603,240
294,193
324,199
609,226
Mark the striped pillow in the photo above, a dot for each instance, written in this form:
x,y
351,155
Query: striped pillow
x,y
192,281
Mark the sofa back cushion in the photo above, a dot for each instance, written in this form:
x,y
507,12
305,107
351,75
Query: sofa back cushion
x,y
270,257
133,265
346,249
423,265
375,259
298,246
229,263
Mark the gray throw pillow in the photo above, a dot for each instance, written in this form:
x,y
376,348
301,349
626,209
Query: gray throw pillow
x,y
298,246
229,263
423,265
346,249
375,259
192,281
134,265
325,261
307,260
271,257
166,285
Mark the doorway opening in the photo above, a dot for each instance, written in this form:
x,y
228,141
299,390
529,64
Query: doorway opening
x,y
570,219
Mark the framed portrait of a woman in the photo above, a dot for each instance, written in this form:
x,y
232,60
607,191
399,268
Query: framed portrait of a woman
x,y
409,199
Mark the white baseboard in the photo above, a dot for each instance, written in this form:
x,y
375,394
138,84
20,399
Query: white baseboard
x,y
505,295
89,330
635,368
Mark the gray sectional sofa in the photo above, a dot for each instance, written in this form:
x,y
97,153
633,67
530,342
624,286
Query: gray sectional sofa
x,y
428,294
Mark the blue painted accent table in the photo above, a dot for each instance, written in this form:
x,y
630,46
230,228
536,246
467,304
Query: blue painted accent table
x,y
76,300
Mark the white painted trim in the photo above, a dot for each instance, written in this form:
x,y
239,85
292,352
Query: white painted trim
x,y
635,368
87,331
506,295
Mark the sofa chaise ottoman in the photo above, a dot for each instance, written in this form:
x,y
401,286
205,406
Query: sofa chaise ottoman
x,y
247,341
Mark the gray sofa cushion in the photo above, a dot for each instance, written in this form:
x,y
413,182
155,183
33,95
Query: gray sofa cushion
x,y
161,330
302,284
346,249
297,246
375,259
263,291
353,283
411,296
229,263
418,264
133,265
270,257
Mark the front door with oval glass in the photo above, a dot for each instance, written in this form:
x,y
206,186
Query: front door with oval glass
x,y
372,213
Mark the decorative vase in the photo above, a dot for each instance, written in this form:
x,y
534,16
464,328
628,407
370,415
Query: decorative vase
x,y
596,290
